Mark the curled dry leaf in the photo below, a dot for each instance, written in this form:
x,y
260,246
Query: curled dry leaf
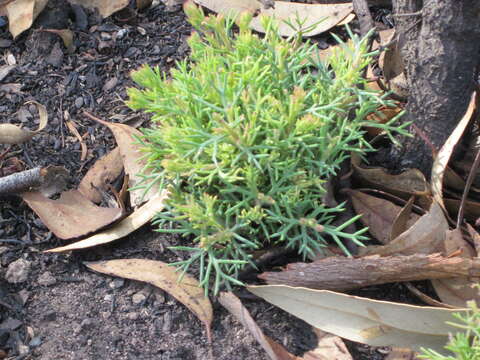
x,y
71,126
101,174
377,214
404,220
426,236
66,36
443,156
457,291
72,215
21,14
471,208
131,223
410,182
165,277
126,137
12,134
372,322
105,8
330,347
317,18
233,304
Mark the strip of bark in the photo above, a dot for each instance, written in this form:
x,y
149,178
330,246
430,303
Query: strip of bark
x,y
342,273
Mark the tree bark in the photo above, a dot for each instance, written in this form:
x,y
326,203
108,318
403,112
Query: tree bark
x,y
440,43
342,273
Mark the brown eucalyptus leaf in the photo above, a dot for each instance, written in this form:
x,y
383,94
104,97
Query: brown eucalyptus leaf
x,y
138,218
233,304
66,35
322,17
165,277
443,157
72,215
457,291
404,220
12,134
426,236
377,214
21,14
471,209
101,175
409,182
105,8
371,322
317,18
130,150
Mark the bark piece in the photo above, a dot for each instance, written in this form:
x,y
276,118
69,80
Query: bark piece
x,y
342,273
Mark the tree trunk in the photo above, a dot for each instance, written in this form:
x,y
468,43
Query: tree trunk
x,y
439,43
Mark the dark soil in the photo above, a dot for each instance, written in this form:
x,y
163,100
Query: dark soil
x,y
62,310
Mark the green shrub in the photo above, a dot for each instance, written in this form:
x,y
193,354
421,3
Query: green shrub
x,y
246,133
465,345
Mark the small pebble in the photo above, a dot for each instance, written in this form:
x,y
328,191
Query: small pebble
x,y
121,33
18,271
47,279
132,316
79,102
116,283
36,341
138,298
109,297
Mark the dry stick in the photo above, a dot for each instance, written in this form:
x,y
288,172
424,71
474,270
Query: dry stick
x,y
470,179
427,299
21,181
342,273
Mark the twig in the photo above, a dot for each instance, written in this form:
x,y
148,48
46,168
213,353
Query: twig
x,y
470,178
21,181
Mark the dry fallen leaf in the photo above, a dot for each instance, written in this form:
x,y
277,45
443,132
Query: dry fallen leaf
x,y
471,208
165,277
236,308
71,126
131,223
12,134
126,137
67,37
101,174
372,322
443,156
426,236
317,18
457,291
410,182
72,215
377,214
105,8
21,14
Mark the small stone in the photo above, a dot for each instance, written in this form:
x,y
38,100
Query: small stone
x,y
47,279
105,36
24,295
110,84
138,298
36,341
3,249
18,271
141,30
116,283
121,33
86,324
109,297
132,316
11,324
49,316
55,58
79,102
23,349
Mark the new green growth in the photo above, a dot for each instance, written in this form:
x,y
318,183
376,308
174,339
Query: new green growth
x,y
246,134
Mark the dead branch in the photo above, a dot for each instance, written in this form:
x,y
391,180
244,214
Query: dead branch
x,y
342,273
